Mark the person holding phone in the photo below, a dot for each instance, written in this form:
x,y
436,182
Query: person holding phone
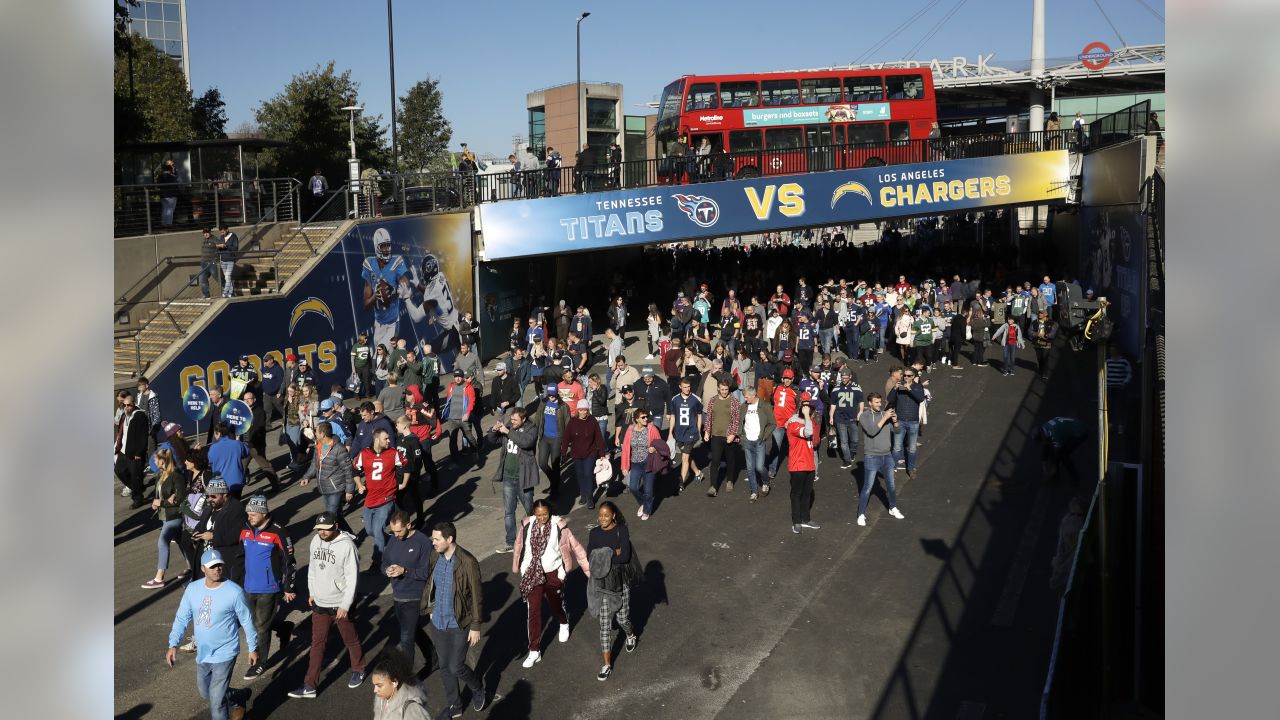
x,y
877,454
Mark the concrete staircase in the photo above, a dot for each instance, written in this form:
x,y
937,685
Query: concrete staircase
x,y
166,330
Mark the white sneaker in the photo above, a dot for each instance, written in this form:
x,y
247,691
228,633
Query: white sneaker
x,y
862,520
534,656
649,356
126,492
897,513
564,632
639,511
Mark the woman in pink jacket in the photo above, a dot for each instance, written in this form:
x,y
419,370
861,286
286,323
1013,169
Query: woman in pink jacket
x,y
645,455
545,551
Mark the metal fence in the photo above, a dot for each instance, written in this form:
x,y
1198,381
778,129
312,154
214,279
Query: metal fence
x,y
411,193
177,207
1120,125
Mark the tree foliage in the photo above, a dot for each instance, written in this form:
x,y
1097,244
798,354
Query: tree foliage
x,y
308,115
152,102
424,133
209,115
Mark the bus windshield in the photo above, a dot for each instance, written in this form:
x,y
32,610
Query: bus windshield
x,y
668,124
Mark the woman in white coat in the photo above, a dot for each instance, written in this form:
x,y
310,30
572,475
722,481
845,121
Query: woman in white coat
x,y
545,552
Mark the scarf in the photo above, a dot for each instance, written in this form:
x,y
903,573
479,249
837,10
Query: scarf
x,y
535,575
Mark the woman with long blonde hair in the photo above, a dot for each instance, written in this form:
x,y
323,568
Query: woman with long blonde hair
x,y
171,490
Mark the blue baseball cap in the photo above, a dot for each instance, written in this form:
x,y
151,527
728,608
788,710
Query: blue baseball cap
x,y
552,389
326,405
210,558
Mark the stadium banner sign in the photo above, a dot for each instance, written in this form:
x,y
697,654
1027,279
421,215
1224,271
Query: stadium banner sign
x,y
409,277
673,213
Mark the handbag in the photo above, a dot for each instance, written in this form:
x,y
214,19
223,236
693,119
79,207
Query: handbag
x,y
603,470
968,333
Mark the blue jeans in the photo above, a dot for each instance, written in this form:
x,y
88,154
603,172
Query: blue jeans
x,y
171,530
1010,353
870,465
510,492
910,431
407,614
375,524
207,270
779,448
847,433
167,206
228,268
585,471
827,338
641,484
754,450
213,681
883,329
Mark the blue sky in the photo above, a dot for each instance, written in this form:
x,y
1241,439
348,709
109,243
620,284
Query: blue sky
x,y
488,55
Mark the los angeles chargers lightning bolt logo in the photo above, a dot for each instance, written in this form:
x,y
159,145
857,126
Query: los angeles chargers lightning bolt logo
x,y
856,188
702,210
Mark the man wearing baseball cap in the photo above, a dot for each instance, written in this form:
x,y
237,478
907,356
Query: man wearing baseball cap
x,y
329,413
332,569
551,424
222,528
846,406
243,378
654,393
220,612
268,572
504,390
785,403
303,374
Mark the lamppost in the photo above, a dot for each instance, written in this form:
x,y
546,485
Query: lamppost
x,y
391,52
578,105
353,164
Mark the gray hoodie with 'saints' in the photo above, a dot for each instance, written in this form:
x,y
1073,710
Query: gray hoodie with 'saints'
x,y
332,570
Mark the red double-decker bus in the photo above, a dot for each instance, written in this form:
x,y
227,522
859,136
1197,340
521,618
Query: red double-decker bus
x,y
789,122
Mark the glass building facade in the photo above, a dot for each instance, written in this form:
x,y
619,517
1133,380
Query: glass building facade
x,y
164,23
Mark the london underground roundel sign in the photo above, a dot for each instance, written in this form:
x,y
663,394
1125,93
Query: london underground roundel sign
x,y
1096,55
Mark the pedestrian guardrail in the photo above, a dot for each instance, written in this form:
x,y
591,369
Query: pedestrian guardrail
x,y
179,207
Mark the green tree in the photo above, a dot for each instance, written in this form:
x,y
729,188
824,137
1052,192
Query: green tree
x,y
308,115
424,132
152,101
209,115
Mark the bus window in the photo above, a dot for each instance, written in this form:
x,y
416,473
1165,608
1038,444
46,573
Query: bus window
x,y
866,133
820,91
788,138
702,96
906,87
745,141
863,89
900,131
776,93
739,94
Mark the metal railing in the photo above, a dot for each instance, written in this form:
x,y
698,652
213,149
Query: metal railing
x,y
335,207
1120,125
412,193
140,209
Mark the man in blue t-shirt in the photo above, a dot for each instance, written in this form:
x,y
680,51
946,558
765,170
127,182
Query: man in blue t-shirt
x,y
806,335
218,611
684,417
1049,291
227,456
550,427
846,406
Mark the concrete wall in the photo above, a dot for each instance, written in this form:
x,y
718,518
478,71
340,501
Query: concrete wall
x,y
136,259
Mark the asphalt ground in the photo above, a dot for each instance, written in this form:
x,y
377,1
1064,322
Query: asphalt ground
x,y
946,614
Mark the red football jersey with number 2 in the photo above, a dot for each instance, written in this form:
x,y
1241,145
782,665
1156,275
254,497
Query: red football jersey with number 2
x,y
381,471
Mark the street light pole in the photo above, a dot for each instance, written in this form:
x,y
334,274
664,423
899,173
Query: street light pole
x,y
578,105
391,52
353,164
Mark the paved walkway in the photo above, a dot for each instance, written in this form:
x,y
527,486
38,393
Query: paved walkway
x,y
945,614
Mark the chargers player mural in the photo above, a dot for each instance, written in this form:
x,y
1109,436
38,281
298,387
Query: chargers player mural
x,y
406,286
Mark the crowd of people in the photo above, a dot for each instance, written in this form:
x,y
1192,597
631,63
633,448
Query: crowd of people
x,y
754,382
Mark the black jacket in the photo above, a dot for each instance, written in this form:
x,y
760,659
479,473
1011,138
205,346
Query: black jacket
x,y
958,325
136,432
257,437
215,411
469,332
411,447
505,389
655,396
226,525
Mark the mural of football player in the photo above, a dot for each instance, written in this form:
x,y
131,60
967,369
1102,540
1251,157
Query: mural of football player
x,y
386,284
432,300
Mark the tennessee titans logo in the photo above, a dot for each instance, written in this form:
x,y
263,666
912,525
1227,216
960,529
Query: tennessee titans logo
x,y
703,211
